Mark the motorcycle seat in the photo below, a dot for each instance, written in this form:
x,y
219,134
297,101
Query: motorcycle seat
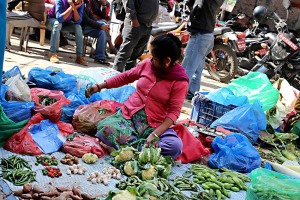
x,y
221,30
158,29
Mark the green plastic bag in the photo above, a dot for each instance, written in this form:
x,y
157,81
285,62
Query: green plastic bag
x,y
267,184
8,127
255,85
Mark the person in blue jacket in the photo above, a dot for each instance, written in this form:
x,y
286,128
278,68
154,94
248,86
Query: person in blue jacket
x,y
66,16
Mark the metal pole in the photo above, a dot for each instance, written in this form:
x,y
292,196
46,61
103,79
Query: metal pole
x,y
2,35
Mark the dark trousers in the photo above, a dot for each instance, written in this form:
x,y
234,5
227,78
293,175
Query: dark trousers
x,y
135,40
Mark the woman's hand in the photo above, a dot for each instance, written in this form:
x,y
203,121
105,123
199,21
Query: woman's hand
x,y
150,139
78,5
71,3
135,23
92,89
105,27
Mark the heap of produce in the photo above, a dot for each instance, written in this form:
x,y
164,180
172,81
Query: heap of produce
x,y
76,169
35,192
89,158
46,160
104,176
147,164
52,172
17,170
69,159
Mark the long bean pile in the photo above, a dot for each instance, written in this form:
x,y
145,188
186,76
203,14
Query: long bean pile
x,y
17,170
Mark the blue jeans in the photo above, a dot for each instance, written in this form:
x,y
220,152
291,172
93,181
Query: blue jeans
x,y
101,40
197,49
55,27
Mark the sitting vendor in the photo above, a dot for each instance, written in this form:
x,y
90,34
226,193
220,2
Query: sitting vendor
x,y
154,107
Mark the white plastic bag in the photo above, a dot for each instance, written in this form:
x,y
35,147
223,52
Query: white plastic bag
x,y
17,90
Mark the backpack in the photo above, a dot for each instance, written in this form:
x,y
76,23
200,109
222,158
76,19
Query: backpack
x,y
119,9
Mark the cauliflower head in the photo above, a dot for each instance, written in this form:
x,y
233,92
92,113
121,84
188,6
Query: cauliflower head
x,y
89,158
148,174
129,168
125,154
125,194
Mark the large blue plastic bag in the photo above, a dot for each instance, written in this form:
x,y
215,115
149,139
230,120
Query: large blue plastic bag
x,y
16,111
47,136
247,119
234,152
226,97
120,94
53,80
76,99
255,85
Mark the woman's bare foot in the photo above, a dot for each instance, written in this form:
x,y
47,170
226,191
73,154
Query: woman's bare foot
x,y
108,148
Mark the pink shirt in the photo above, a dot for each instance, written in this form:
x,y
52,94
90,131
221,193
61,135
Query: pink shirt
x,y
159,99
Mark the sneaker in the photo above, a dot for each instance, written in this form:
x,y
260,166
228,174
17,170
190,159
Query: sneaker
x,y
102,62
53,58
81,60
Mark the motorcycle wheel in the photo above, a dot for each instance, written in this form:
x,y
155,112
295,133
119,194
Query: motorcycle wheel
x,y
225,67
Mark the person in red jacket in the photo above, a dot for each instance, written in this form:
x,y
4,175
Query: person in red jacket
x,y
155,105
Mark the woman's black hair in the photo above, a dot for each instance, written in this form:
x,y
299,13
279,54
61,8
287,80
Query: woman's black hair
x,y
166,45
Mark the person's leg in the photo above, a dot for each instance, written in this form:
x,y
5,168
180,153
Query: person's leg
x,y
54,26
77,30
197,49
170,144
140,47
131,37
115,130
101,41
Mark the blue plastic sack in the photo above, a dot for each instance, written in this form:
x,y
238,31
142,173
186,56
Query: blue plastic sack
x,y
234,152
120,94
16,111
47,136
53,80
76,99
247,119
226,97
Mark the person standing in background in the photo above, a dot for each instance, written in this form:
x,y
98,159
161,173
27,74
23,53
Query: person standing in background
x,y
201,26
140,15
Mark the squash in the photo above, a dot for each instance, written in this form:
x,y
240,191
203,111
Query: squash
x,y
89,158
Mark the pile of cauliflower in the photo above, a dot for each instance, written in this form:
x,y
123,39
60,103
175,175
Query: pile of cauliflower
x,y
147,164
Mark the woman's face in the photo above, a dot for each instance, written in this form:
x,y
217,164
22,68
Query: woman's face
x,y
157,63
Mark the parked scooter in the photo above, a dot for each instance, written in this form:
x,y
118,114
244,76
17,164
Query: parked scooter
x,y
282,58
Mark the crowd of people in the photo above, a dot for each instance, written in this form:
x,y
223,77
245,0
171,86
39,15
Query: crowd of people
x,y
163,84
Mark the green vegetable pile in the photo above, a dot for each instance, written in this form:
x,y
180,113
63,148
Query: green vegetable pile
x,y
17,170
45,100
146,164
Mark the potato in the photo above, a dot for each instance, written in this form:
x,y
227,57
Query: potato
x,y
26,196
76,191
62,189
18,193
27,188
37,189
35,196
86,197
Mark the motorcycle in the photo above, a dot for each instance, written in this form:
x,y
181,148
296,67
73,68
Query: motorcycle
x,y
282,59
246,48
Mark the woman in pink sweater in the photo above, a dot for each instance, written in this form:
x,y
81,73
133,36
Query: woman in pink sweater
x,y
154,107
